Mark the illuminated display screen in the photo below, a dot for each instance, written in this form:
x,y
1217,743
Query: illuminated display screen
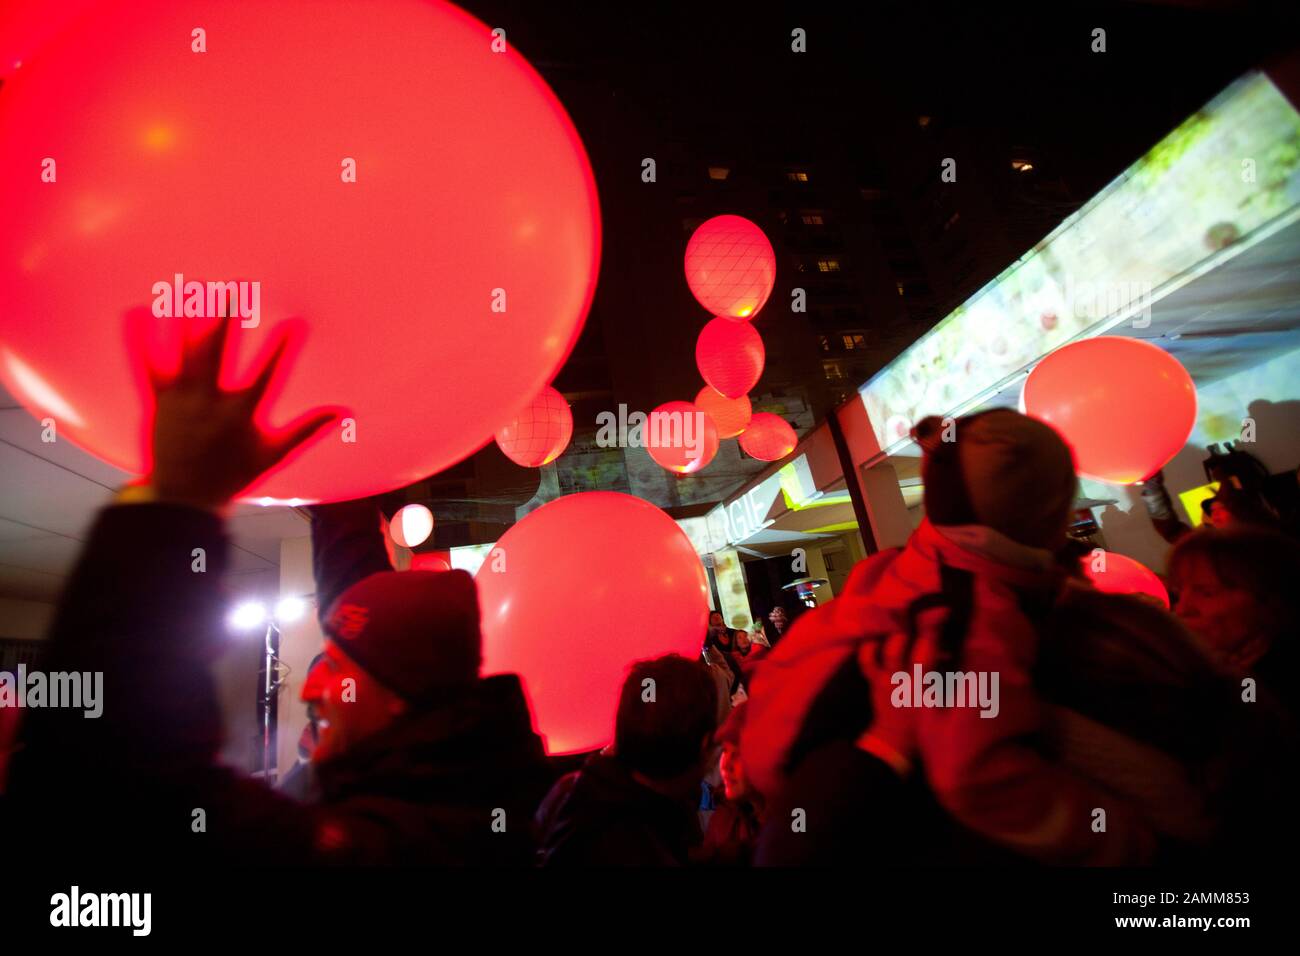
x,y
1187,198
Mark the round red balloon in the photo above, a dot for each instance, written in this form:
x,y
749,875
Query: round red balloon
x,y
768,438
731,415
1119,574
1126,406
584,586
730,266
422,202
681,437
730,356
540,433
429,562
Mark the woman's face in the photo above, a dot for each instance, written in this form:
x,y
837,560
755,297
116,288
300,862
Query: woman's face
x,y
732,773
1227,618
715,619
742,641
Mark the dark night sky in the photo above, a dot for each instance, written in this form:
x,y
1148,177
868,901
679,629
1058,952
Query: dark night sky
x,y
727,66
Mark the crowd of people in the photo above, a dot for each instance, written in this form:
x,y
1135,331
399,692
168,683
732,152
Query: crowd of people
x,y
968,698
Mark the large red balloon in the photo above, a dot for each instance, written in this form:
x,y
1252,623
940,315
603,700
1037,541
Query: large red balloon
x,y
730,266
540,433
730,356
681,437
1126,406
1120,574
768,438
575,593
443,287
26,25
731,415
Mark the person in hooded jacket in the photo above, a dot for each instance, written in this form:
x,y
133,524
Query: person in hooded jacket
x,y
636,804
963,597
419,760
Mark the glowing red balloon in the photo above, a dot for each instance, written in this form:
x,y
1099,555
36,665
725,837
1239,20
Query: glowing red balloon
x,y
540,433
26,25
730,356
429,562
730,266
424,203
681,437
731,415
1126,406
768,438
1119,574
642,593
411,526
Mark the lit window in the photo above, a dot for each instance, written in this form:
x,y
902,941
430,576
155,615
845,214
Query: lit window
x,y
797,176
1021,165
813,220
923,121
834,371
826,343
719,172
900,287
854,341
828,265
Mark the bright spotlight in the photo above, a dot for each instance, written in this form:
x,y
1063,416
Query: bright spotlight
x,y
290,609
248,616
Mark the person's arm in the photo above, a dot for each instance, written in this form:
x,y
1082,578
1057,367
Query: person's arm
x,y
987,772
1160,508
143,612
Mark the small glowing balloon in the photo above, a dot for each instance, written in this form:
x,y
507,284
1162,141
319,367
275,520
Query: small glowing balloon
x,y
1120,574
429,562
411,526
680,437
1126,406
731,415
383,174
768,438
730,356
588,584
540,433
730,267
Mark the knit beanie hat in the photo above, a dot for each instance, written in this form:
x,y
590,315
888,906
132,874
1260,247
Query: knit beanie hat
x,y
416,632
1000,469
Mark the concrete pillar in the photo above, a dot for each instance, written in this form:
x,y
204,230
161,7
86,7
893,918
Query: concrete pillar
x,y
885,506
817,569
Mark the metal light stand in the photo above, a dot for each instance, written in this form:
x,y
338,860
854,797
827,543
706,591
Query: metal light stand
x,y
270,690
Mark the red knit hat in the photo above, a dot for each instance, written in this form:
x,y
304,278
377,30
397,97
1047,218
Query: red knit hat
x,y
416,632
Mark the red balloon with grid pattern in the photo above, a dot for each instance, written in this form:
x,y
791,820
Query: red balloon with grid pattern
x,y
730,356
730,267
539,433
768,438
731,415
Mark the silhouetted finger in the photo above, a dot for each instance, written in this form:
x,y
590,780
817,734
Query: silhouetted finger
x,y
255,391
142,348
301,431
